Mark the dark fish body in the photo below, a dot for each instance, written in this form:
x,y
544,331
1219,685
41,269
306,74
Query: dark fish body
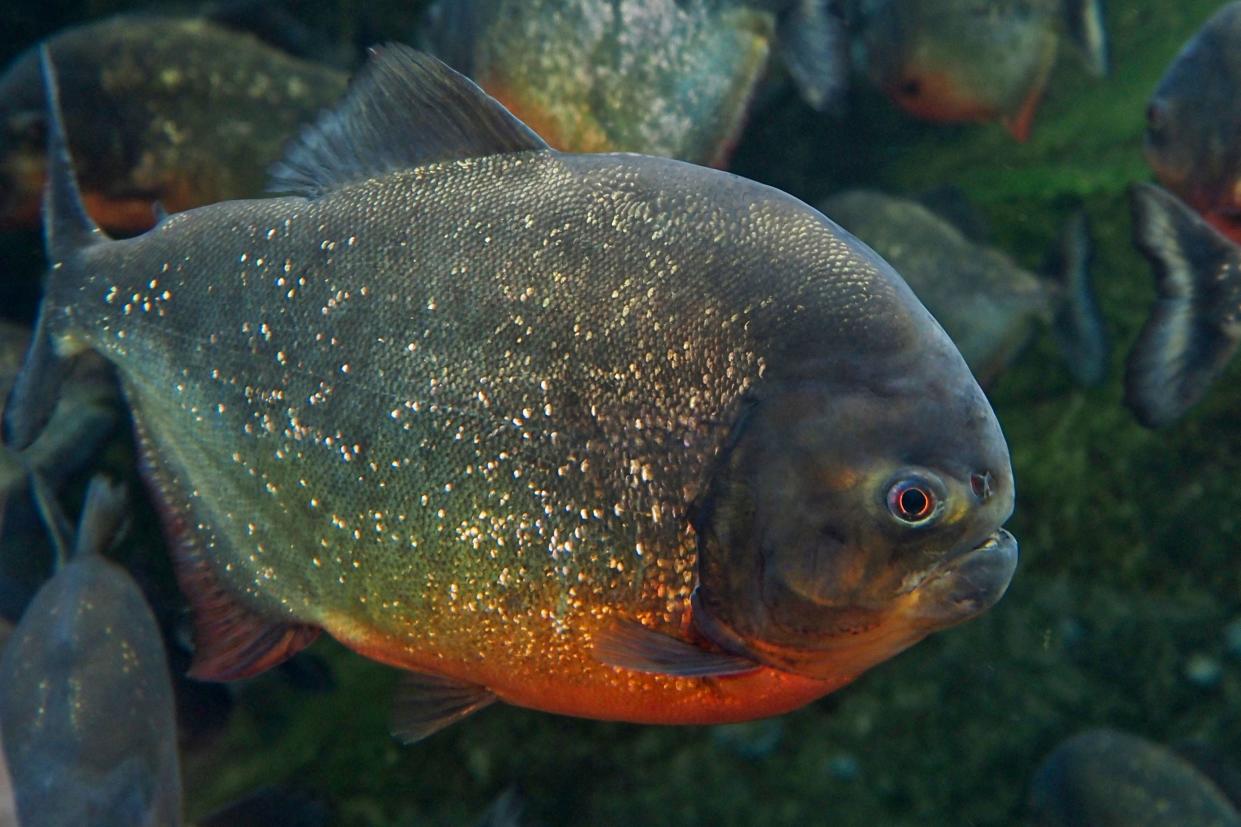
x,y
987,304
468,411
177,111
86,707
958,60
1105,778
1193,135
1194,326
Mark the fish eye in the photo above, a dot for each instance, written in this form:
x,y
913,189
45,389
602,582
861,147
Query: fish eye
x,y
911,88
912,501
1156,116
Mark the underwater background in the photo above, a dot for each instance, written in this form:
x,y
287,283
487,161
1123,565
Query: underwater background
x,y
1125,611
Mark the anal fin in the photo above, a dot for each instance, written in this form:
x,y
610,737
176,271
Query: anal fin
x,y
630,645
231,641
426,703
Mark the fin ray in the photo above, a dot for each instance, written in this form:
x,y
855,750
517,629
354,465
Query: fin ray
x,y
426,703
628,644
405,109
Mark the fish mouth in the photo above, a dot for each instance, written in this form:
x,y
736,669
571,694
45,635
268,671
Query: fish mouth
x,y
967,583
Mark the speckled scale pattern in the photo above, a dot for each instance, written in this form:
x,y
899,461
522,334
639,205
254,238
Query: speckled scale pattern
x,y
455,414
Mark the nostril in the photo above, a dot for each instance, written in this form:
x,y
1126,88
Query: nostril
x,y
980,484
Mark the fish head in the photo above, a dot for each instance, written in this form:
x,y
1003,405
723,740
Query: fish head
x,y
1194,116
962,61
848,519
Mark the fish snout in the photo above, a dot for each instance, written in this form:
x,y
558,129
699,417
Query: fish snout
x,y
969,584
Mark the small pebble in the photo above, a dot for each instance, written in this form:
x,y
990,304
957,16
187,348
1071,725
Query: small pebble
x,y
1203,670
1232,638
844,767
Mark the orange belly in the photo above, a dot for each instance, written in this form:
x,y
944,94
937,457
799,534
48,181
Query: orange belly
x,y
572,683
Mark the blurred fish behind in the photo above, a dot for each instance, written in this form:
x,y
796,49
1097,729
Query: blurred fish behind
x,y
86,706
87,412
177,111
1193,123
973,60
1106,778
988,305
661,77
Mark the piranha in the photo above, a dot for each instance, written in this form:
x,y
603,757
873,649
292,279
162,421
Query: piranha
x,y
86,707
1106,778
1193,328
177,111
985,301
1193,123
660,77
965,60
604,435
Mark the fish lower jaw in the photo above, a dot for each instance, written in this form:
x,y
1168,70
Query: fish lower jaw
x,y
965,584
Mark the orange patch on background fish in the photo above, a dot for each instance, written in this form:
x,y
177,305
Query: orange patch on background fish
x,y
936,96
1019,124
583,137
1227,222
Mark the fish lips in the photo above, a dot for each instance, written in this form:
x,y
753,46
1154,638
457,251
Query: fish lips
x,y
965,585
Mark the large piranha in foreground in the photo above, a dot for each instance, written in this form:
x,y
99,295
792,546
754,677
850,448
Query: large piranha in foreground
x,y
604,435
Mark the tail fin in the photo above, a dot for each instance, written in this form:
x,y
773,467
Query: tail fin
x,y
1084,22
67,231
1078,326
1195,324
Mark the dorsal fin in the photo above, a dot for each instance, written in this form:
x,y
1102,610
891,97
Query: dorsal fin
x,y
67,227
405,109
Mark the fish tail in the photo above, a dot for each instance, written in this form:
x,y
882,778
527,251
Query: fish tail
x,y
1078,326
101,522
1083,20
1195,324
814,46
68,230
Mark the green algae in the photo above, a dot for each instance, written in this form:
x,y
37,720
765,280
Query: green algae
x,y
1129,545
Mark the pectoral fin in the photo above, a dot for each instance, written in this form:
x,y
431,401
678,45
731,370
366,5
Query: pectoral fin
x,y
425,704
630,645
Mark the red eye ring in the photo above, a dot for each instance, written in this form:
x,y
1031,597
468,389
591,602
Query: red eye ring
x,y
910,501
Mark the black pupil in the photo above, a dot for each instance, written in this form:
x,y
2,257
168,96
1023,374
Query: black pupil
x,y
914,502
911,88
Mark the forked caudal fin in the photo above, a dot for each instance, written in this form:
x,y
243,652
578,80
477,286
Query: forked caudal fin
x,y
1078,327
67,230
1195,324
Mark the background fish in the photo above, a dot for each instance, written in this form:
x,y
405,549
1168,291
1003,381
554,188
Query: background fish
x,y
964,60
1193,123
86,707
177,111
86,414
493,413
988,305
660,77
1195,323
1105,778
